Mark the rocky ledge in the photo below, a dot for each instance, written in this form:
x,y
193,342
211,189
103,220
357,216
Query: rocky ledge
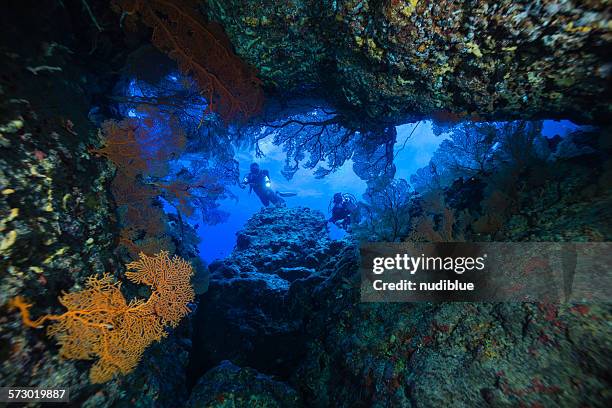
x,y
393,60
286,304
260,297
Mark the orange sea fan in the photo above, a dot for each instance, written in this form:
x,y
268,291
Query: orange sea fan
x,y
179,193
141,149
136,148
131,191
121,146
204,51
100,323
170,281
425,229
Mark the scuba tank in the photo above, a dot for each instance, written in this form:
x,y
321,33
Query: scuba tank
x,y
351,201
348,199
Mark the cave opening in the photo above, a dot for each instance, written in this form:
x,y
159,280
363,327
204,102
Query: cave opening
x,y
394,176
130,126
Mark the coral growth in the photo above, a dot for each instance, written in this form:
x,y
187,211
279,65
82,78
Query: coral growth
x,y
439,223
101,323
143,148
396,58
202,50
140,148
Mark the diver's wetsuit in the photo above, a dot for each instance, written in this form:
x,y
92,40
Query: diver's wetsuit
x,y
341,212
259,182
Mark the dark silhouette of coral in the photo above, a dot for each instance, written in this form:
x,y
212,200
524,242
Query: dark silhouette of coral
x,y
202,50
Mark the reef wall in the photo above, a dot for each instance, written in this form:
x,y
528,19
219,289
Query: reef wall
x,y
403,60
58,219
259,297
286,302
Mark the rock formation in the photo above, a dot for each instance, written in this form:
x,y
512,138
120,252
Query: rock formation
x,y
286,302
394,60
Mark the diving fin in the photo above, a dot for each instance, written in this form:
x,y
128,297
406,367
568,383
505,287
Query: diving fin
x,y
286,193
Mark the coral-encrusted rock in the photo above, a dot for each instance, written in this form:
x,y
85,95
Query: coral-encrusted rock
x,y
254,310
396,59
228,385
57,216
336,351
282,237
458,354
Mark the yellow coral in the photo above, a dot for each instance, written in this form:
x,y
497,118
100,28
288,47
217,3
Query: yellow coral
x,y
8,241
251,21
408,8
399,12
100,323
474,49
569,27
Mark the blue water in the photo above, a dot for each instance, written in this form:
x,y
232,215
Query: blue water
x,y
413,150
219,240
552,128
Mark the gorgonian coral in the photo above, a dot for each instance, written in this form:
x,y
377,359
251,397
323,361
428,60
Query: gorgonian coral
x,y
202,50
100,323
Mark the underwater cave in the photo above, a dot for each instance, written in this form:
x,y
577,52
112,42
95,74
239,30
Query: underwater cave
x,y
201,200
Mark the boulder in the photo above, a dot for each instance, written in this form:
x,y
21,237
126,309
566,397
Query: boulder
x,y
228,385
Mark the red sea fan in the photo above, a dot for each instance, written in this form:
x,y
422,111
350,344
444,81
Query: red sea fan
x,y
203,51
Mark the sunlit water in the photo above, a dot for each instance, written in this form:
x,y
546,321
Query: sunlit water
x,y
413,150
416,143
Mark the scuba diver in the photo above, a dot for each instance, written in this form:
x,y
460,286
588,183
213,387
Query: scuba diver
x,y
344,205
259,181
